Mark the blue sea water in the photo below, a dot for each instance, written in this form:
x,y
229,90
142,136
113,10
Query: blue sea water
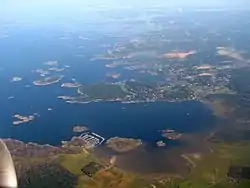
x,y
25,51
142,120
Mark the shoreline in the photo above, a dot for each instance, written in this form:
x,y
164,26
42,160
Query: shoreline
x,y
128,102
37,82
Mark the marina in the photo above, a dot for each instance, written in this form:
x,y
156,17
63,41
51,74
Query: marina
x,y
92,140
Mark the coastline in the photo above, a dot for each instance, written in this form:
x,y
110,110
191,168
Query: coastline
x,y
46,83
125,101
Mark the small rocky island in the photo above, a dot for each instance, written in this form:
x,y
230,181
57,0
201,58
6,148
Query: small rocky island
x,y
160,143
48,80
113,75
80,128
23,119
71,85
16,79
171,134
122,145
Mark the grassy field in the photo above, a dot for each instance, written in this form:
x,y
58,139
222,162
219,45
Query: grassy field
x,y
207,170
210,171
110,177
74,162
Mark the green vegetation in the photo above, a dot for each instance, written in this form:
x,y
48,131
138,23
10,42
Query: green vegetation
x,y
123,144
112,178
103,91
211,169
137,87
107,177
207,170
74,162
47,175
178,92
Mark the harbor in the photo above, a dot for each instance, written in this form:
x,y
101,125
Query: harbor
x,y
91,140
